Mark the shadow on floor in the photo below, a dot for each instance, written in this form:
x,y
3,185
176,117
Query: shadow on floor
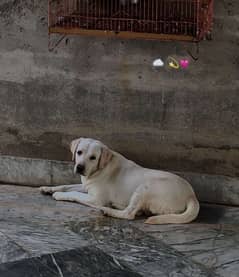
x,y
211,214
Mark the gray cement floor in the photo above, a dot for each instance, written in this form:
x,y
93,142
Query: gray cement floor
x,y
42,237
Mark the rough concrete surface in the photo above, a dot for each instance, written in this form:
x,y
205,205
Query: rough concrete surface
x,y
107,89
42,237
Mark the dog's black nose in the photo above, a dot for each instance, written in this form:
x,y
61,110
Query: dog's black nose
x,y
80,168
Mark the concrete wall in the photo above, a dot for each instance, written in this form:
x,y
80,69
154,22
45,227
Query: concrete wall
x,y
107,89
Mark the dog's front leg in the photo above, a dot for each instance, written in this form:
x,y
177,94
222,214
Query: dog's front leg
x,y
131,210
51,190
75,196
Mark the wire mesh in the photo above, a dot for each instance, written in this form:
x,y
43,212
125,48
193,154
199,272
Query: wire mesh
x,y
180,18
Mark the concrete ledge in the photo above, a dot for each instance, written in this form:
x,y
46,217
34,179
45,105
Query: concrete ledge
x,y
214,188
37,172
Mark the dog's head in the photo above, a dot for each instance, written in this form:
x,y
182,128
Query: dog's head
x,y
89,155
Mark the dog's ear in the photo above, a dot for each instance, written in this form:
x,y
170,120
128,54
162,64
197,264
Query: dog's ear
x,y
74,145
105,157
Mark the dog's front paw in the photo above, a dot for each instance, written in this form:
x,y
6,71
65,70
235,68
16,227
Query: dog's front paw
x,y
58,195
104,210
46,190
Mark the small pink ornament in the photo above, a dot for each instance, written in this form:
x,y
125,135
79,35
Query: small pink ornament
x,y
184,63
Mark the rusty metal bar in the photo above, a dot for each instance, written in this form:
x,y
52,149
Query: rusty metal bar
x,y
123,34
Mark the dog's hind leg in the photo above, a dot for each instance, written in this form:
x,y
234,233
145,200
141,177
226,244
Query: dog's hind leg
x,y
135,205
187,216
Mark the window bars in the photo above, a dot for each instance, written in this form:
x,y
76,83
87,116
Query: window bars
x,y
184,20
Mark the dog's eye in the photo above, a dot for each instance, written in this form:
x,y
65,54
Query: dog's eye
x,y
92,158
79,152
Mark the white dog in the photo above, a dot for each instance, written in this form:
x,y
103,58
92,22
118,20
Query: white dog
x,y
121,188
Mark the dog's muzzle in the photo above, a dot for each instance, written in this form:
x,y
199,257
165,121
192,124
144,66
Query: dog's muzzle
x,y
80,169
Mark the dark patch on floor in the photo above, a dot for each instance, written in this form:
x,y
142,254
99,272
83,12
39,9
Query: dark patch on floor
x,y
211,214
141,252
84,262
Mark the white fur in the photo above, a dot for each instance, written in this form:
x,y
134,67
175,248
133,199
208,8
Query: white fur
x,y
123,189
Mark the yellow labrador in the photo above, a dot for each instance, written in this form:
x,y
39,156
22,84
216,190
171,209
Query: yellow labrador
x,y
121,188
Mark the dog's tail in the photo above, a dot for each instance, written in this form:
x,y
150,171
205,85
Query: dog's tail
x,y
187,216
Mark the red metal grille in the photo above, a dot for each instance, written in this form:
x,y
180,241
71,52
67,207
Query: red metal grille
x,y
149,19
